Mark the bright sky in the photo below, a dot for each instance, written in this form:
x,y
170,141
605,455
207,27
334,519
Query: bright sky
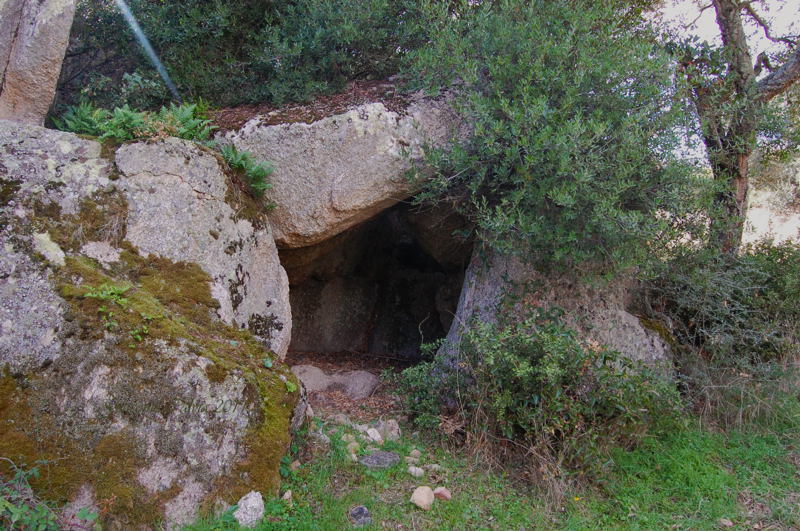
x,y
782,15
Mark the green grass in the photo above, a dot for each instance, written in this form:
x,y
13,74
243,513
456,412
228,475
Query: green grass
x,y
692,479
683,480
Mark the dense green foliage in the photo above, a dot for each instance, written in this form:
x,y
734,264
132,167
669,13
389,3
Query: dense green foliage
x,y
737,309
573,145
734,324
529,379
235,52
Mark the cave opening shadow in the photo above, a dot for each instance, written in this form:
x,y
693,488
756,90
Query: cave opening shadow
x,y
379,290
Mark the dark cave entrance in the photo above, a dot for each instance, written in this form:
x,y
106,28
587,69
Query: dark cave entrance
x,y
379,290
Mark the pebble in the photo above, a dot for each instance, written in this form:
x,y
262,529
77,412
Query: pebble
x,y
359,515
423,498
724,522
250,509
433,467
389,429
348,437
287,497
442,493
411,460
379,459
416,471
295,465
415,453
375,435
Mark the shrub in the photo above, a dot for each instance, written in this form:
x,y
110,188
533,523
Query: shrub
x,y
316,46
736,310
574,129
736,319
529,380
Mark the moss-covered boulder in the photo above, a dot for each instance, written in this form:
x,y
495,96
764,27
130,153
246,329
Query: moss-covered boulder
x,y
116,369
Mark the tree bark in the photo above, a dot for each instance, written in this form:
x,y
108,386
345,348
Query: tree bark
x,y
730,138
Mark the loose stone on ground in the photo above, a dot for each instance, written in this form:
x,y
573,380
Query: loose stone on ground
x,y
250,509
423,498
379,459
359,516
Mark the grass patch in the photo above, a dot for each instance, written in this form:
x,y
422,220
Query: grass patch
x,y
687,479
691,480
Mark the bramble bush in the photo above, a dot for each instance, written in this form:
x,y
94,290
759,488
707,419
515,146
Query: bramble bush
x,y
528,379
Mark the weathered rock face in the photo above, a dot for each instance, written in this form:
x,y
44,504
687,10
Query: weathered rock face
x,y
33,38
338,171
599,314
114,365
177,209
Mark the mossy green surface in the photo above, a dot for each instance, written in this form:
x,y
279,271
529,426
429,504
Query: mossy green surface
x,y
163,305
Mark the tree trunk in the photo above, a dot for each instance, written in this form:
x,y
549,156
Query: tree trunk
x,y
727,225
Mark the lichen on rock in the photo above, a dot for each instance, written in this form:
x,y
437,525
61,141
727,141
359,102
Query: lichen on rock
x,y
119,373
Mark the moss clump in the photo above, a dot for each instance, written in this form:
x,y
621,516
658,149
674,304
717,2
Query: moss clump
x,y
124,317
103,217
661,329
8,189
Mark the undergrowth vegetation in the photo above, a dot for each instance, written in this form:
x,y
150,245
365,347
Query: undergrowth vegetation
x,y
735,322
123,123
241,52
21,509
528,383
687,479
255,173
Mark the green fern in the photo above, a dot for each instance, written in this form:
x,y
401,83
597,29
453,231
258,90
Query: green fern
x,y
83,119
123,123
255,173
184,121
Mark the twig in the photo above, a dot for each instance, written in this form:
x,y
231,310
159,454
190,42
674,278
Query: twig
x,y
761,22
